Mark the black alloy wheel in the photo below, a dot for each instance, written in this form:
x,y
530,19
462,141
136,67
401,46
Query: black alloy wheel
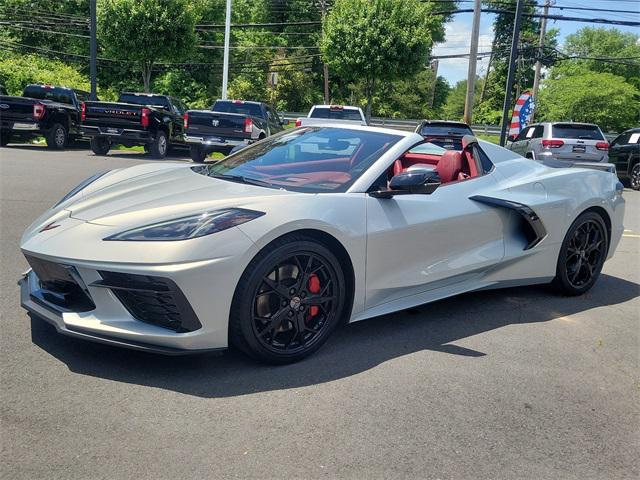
x,y
634,178
582,255
288,301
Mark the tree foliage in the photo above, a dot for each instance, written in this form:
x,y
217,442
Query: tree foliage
x,y
17,71
147,31
593,97
372,41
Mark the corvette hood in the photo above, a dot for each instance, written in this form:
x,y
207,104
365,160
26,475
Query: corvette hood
x,y
163,194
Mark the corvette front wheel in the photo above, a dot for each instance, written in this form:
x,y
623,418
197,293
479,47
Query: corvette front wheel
x,y
288,301
582,254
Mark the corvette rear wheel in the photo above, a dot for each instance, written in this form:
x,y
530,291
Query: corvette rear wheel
x,y
288,301
582,255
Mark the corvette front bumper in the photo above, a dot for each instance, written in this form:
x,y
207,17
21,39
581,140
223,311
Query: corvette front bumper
x,y
36,305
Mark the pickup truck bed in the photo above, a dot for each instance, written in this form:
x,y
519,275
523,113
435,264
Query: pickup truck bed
x,y
43,110
229,124
154,121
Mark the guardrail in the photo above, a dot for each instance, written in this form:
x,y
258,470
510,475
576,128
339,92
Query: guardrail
x,y
404,124
411,124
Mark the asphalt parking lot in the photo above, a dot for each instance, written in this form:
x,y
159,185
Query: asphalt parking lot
x,y
516,383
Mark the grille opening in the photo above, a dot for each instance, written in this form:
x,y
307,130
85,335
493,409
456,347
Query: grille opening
x,y
154,300
60,286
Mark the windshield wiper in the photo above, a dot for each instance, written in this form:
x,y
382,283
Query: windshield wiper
x,y
241,179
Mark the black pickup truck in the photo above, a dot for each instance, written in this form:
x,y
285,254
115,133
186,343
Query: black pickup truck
x,y
229,124
42,110
147,119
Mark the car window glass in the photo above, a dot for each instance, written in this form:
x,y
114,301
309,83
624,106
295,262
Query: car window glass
x,y
634,138
538,131
523,134
486,163
570,130
237,106
311,159
336,113
45,92
530,132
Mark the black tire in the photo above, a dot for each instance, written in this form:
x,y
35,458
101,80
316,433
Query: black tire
x,y
582,254
634,176
197,153
273,301
57,137
158,148
100,145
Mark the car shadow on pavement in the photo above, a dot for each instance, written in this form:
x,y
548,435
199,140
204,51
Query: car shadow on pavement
x,y
352,349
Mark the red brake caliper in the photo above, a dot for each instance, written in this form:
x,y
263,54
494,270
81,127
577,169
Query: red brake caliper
x,y
314,287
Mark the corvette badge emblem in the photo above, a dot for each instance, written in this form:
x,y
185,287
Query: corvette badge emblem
x,y
51,226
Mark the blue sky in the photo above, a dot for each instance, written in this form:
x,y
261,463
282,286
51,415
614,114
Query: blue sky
x,y
458,31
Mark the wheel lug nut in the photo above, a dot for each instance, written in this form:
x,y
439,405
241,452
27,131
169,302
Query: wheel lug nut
x,y
291,313
284,303
292,291
303,294
301,308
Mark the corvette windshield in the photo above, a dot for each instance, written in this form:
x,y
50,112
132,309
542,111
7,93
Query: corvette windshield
x,y
312,159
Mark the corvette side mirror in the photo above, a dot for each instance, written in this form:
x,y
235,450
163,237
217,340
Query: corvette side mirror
x,y
416,181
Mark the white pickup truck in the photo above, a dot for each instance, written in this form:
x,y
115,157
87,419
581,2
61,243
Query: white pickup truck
x,y
332,113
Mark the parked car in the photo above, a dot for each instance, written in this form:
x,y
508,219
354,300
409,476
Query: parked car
x,y
444,133
147,119
271,249
562,141
320,114
229,124
42,110
624,153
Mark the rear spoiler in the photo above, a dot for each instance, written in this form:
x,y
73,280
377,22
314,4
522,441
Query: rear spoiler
x,y
605,167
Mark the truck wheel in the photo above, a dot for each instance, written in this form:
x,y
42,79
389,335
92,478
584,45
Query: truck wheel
x,y
197,153
56,137
634,178
158,148
100,145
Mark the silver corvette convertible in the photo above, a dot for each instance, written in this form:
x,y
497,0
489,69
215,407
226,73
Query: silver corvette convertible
x,y
271,248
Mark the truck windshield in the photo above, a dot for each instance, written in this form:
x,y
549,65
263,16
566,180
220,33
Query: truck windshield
x,y
237,106
142,99
336,113
45,92
311,159
569,130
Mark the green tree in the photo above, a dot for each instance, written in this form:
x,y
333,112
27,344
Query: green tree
x,y
372,41
17,70
601,98
597,43
146,31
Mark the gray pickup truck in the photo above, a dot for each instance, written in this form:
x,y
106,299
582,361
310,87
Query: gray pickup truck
x,y
228,125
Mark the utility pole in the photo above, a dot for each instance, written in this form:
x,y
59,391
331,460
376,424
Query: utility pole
x,y
536,78
325,67
225,60
473,57
434,68
512,67
93,49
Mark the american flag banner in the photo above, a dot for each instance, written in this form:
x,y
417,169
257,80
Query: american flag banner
x,y
521,113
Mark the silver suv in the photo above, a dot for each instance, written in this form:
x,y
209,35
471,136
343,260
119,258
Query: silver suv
x,y
561,141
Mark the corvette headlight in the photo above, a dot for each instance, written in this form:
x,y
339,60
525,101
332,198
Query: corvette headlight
x,y
193,226
80,187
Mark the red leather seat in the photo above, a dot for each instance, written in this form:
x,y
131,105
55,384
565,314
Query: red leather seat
x,y
450,166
